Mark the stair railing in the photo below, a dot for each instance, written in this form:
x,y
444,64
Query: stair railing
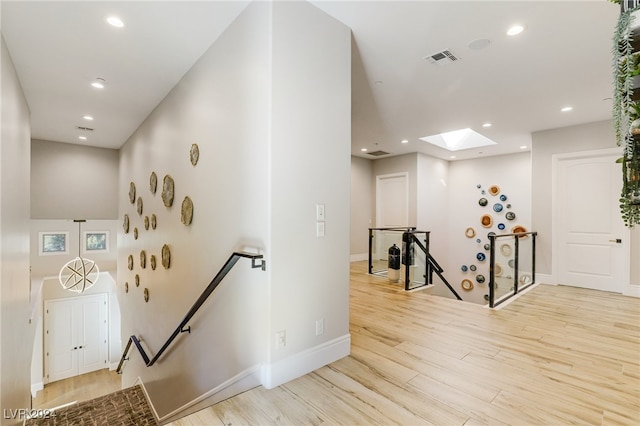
x,y
431,264
516,262
182,327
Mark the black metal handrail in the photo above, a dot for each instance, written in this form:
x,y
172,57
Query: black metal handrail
x,y
492,259
182,327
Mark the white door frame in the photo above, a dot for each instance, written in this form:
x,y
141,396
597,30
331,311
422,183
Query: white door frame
x,y
555,160
378,200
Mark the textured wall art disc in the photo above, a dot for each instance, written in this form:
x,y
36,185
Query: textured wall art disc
x,y
137,278
153,182
186,215
194,154
126,287
125,224
146,223
139,206
146,295
132,192
154,221
467,285
166,256
152,261
167,191
486,221
135,233
130,262
494,190
143,259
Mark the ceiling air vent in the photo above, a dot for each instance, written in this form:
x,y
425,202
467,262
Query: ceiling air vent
x,y
86,129
442,57
378,153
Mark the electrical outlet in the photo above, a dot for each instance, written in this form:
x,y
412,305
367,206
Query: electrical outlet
x,y
320,212
319,326
281,339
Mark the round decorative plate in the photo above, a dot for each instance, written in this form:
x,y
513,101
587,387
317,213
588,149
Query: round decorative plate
x,y
483,202
146,295
478,240
497,207
135,233
467,285
494,190
143,259
525,279
478,186
194,154
132,192
497,269
152,261
511,263
472,268
480,278
486,297
470,232
508,206
481,257
126,287
487,246
464,268
501,226
154,221
486,221
125,224
503,197
187,211
166,256
137,278
139,205
167,191
130,262
146,223
153,182
510,215
519,229
506,250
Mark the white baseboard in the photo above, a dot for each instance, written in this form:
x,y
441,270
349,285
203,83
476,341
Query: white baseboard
x,y
632,290
299,364
545,279
35,387
359,257
113,365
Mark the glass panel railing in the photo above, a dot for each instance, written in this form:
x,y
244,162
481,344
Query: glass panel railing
x,y
512,265
380,241
415,248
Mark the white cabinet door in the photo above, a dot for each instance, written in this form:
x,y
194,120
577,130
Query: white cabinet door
x,y
75,336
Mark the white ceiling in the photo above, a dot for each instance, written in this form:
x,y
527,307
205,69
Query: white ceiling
x,y
518,83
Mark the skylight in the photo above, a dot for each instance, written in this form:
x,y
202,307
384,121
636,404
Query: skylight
x,y
458,140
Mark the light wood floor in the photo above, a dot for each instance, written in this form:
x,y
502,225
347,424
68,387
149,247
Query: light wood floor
x,y
80,388
557,355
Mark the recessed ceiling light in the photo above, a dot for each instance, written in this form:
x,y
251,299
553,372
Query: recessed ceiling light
x,y
82,138
452,157
566,109
404,141
99,83
523,147
115,21
515,30
363,149
88,117
479,44
486,125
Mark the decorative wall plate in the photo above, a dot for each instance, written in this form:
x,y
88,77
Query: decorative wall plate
x,y
483,202
152,261
153,182
464,268
478,240
501,226
194,154
497,269
139,206
146,223
479,278
481,257
518,229
525,279
132,192
143,259
467,285
503,197
508,206
486,221
506,249
472,268
137,278
187,211
470,232
510,215
487,246
126,287
154,221
130,262
478,186
511,263
497,207
166,256
486,297
146,295
167,191
494,190
125,224
135,233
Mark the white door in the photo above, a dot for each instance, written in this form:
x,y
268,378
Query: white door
x,y
591,239
392,210
75,336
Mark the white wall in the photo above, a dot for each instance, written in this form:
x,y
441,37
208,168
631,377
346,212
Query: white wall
x,y
512,173
246,104
16,333
431,200
363,208
73,181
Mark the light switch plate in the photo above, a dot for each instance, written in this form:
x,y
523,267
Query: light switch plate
x,y
319,229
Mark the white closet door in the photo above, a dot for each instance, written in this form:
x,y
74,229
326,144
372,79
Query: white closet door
x,y
61,358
